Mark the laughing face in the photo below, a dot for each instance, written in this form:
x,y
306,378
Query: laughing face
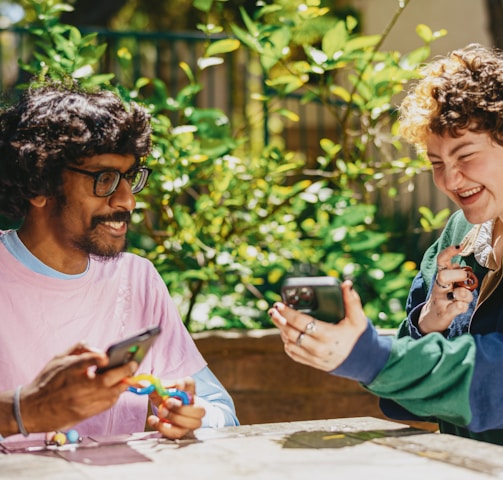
x,y
90,224
62,231
469,170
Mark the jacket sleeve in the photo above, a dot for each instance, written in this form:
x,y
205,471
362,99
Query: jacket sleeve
x,y
454,232
455,380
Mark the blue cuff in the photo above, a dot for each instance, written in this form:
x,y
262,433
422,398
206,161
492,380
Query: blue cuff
x,y
367,358
413,322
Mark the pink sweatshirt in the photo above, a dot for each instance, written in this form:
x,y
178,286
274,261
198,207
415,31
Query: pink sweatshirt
x,y
41,317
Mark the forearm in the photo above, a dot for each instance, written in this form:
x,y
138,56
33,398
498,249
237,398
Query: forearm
x,y
430,377
211,394
217,414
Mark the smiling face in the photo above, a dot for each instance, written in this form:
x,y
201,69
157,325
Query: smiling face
x,y
97,225
469,170
62,232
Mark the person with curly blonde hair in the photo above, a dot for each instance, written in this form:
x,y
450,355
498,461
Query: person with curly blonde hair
x,y
446,363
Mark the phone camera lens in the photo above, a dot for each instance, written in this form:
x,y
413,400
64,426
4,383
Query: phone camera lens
x,y
306,295
292,297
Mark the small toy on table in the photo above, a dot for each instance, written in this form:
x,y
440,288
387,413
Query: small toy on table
x,y
61,438
145,384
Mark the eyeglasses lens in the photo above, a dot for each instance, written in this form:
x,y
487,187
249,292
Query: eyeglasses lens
x,y
107,182
137,180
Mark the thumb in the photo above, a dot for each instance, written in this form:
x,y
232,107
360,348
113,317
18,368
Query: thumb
x,y
352,304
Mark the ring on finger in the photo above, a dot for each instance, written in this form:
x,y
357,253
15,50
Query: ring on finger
x,y
310,328
451,297
441,267
299,339
441,285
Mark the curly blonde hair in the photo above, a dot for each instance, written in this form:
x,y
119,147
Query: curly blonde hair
x,y
463,90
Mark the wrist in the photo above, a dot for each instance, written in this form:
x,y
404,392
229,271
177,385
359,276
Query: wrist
x,y
8,424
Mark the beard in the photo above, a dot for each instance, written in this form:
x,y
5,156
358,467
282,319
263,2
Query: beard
x,y
93,243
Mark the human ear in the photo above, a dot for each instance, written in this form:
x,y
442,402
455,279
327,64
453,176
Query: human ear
x,y
39,201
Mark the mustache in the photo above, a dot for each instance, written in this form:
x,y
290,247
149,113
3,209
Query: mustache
x,y
115,217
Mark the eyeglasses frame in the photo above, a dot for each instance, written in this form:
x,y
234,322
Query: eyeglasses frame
x,y
129,174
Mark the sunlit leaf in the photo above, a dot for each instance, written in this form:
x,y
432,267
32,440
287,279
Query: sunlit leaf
x,y
222,46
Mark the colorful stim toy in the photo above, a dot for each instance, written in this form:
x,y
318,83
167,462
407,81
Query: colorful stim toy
x,y
145,384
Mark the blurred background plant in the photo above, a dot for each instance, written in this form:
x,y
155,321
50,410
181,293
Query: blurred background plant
x,y
228,213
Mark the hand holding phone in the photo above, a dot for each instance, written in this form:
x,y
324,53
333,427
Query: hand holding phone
x,y
132,348
320,297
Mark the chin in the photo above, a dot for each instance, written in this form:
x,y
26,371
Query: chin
x,y
103,251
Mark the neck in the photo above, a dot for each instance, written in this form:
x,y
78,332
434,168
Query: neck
x,y
50,252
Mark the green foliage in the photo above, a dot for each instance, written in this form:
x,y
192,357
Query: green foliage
x,y
431,222
61,52
223,224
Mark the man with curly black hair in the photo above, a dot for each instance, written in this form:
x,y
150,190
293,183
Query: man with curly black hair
x,y
447,363
71,162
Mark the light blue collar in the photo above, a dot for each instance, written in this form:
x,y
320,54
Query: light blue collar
x,y
17,249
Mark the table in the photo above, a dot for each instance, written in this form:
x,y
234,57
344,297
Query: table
x,y
349,448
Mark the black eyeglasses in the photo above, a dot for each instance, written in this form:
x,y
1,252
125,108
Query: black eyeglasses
x,y
107,181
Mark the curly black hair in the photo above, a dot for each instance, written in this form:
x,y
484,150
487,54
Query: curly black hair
x,y
461,91
54,125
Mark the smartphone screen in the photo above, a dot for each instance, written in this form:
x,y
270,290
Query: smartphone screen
x,y
320,297
132,348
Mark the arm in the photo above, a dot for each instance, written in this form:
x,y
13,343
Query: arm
x,y
455,380
212,407
64,393
211,394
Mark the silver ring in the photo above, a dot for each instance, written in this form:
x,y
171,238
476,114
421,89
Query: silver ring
x,y
451,297
441,267
310,328
441,285
299,339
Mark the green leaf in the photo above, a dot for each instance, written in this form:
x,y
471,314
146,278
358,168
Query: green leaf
x,y
334,40
360,43
330,147
411,60
341,92
203,5
222,46
249,23
424,32
284,112
249,40
275,48
390,261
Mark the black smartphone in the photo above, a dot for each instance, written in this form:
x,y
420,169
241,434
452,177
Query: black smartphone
x,y
132,348
320,297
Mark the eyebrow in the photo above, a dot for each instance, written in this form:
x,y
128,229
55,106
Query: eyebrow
x,y
453,151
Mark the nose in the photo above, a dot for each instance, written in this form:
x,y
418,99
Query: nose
x,y
452,177
123,197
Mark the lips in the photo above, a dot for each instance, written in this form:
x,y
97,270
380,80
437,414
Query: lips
x,y
115,225
118,221
468,193
116,228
